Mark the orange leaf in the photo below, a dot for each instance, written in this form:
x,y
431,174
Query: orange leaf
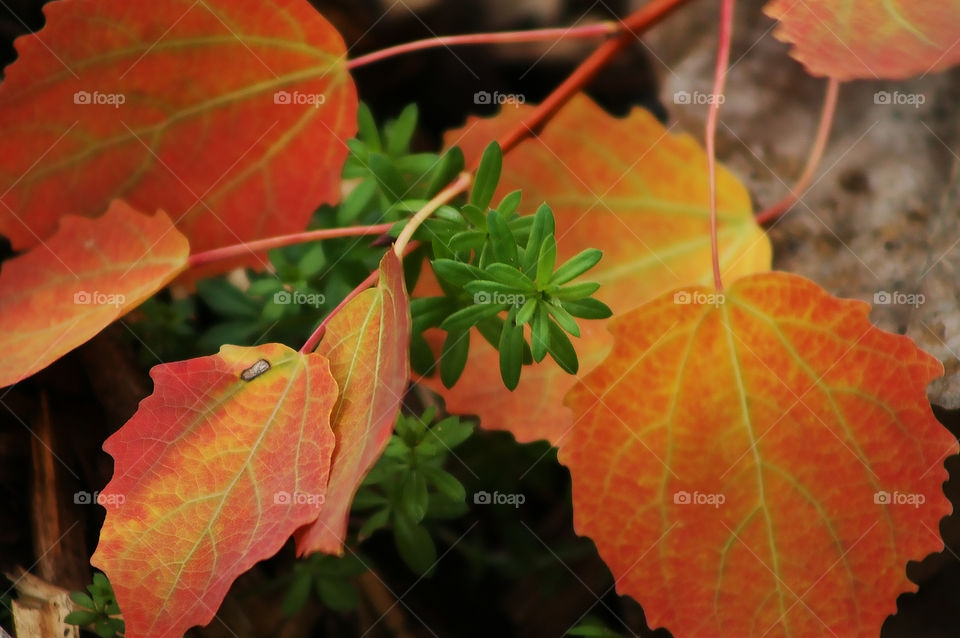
x,y
368,345
203,109
848,39
213,473
630,188
761,467
92,271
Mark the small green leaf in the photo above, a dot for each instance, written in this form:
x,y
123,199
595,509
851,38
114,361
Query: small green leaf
x,y
576,266
574,291
446,483
543,225
588,309
356,201
401,131
540,334
487,176
81,618
226,299
421,356
83,600
456,273
547,260
511,351
414,496
446,170
376,521
428,312
390,181
445,435
502,241
414,544
298,594
509,204
562,350
563,318
466,318
337,595
510,276
367,128
526,312
475,215
453,359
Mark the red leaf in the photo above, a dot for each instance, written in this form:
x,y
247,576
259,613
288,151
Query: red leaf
x,y
728,461
213,473
848,39
198,132
367,343
59,295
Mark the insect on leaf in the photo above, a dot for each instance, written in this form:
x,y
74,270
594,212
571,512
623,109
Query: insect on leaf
x,y
212,474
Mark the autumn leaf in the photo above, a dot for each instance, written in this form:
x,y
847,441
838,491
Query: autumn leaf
x,y
367,343
232,116
215,471
631,188
59,295
763,463
849,39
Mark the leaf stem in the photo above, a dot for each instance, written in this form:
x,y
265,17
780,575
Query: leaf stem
x,y
601,29
242,249
631,26
719,80
455,187
816,154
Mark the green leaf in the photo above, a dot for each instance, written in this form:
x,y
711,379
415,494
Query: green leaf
x,y
367,128
298,594
547,259
401,131
446,483
445,435
466,318
576,266
502,241
543,225
414,496
81,618
356,201
509,204
414,544
447,169
475,215
487,176
510,276
456,273
526,312
422,360
562,350
511,351
337,595
225,299
468,240
540,334
428,312
390,181
574,291
453,359
83,600
563,318
312,261
376,521
588,309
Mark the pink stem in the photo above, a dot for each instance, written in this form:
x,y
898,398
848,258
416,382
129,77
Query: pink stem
x,y
719,80
240,250
534,35
816,154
